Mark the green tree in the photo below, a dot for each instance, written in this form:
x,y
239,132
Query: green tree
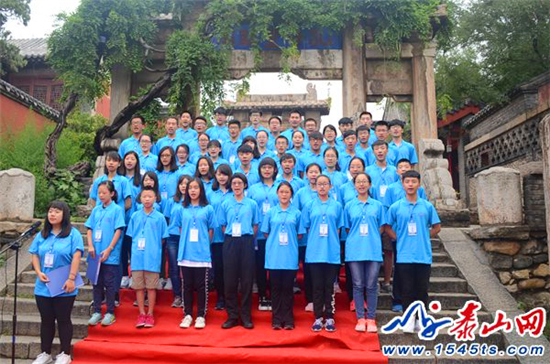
x,y
495,46
10,59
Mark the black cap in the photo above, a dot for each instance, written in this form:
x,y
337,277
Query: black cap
x,y
221,110
398,122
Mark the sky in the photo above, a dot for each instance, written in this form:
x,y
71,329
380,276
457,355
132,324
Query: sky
x,y
43,21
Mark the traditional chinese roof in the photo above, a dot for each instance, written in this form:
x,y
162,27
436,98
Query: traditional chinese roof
x,y
32,48
458,114
9,90
322,105
529,87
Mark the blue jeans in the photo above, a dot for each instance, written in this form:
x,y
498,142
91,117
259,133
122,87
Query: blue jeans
x,y
107,281
172,246
365,275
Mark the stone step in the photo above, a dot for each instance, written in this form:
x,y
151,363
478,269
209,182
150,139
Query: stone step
x,y
441,257
438,270
29,276
26,347
27,306
29,325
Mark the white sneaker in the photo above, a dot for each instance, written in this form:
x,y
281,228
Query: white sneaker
x,y
337,288
309,307
62,358
186,322
200,323
168,285
160,284
408,328
43,358
125,282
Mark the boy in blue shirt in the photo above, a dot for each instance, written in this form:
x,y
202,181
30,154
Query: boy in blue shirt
x,y
148,230
219,131
401,148
255,125
171,139
137,124
230,146
185,132
413,221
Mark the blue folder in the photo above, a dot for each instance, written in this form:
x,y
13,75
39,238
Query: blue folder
x,y
58,277
93,268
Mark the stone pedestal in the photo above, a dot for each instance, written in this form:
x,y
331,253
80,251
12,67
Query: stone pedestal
x,y
499,196
544,128
17,195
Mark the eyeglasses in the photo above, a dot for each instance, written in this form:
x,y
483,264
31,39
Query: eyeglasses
x,y
361,182
323,184
237,183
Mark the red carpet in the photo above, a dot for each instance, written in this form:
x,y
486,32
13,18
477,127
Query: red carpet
x,y
167,343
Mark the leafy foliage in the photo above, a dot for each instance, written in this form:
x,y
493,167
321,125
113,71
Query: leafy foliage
x,y
98,36
26,151
67,189
390,21
81,128
495,46
197,62
10,59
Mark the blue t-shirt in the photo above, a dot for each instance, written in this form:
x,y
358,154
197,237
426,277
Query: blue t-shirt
x,y
63,250
229,150
288,134
215,198
300,200
121,186
267,153
250,131
168,183
220,133
104,222
396,192
147,253
245,213
186,169
265,197
322,219
345,159
167,142
308,158
404,151
147,163
296,182
134,192
252,175
128,145
364,220
194,157
337,180
381,179
347,193
219,162
187,135
298,155
391,157
172,212
281,249
202,219
413,243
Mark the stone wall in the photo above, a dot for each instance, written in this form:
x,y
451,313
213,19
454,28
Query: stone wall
x,y
533,201
518,257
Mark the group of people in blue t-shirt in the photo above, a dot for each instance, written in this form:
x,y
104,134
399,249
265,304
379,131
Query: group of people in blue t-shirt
x,y
240,207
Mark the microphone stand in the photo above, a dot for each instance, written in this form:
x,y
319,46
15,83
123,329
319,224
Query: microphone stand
x,y
15,245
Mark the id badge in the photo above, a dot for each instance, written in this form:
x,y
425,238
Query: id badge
x,y
142,171
164,195
283,238
48,260
236,229
141,243
323,230
412,228
97,235
265,207
194,235
383,189
364,229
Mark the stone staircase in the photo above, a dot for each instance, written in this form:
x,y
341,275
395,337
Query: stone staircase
x,y
446,285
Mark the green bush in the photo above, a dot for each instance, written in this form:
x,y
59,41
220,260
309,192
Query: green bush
x,y
81,130
26,151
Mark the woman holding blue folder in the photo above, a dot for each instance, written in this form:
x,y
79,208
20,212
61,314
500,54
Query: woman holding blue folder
x,y
59,244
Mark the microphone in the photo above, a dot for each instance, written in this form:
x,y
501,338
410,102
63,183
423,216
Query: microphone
x,y
32,229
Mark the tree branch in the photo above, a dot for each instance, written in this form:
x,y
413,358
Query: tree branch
x,y
150,47
126,113
50,151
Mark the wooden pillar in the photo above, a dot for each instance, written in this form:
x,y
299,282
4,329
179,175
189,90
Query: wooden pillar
x,y
354,96
423,107
544,129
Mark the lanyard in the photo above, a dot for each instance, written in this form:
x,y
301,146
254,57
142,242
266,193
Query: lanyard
x,y
103,213
164,178
192,211
364,209
411,211
53,241
239,204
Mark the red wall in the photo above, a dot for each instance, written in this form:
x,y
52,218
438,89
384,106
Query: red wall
x,y
14,117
